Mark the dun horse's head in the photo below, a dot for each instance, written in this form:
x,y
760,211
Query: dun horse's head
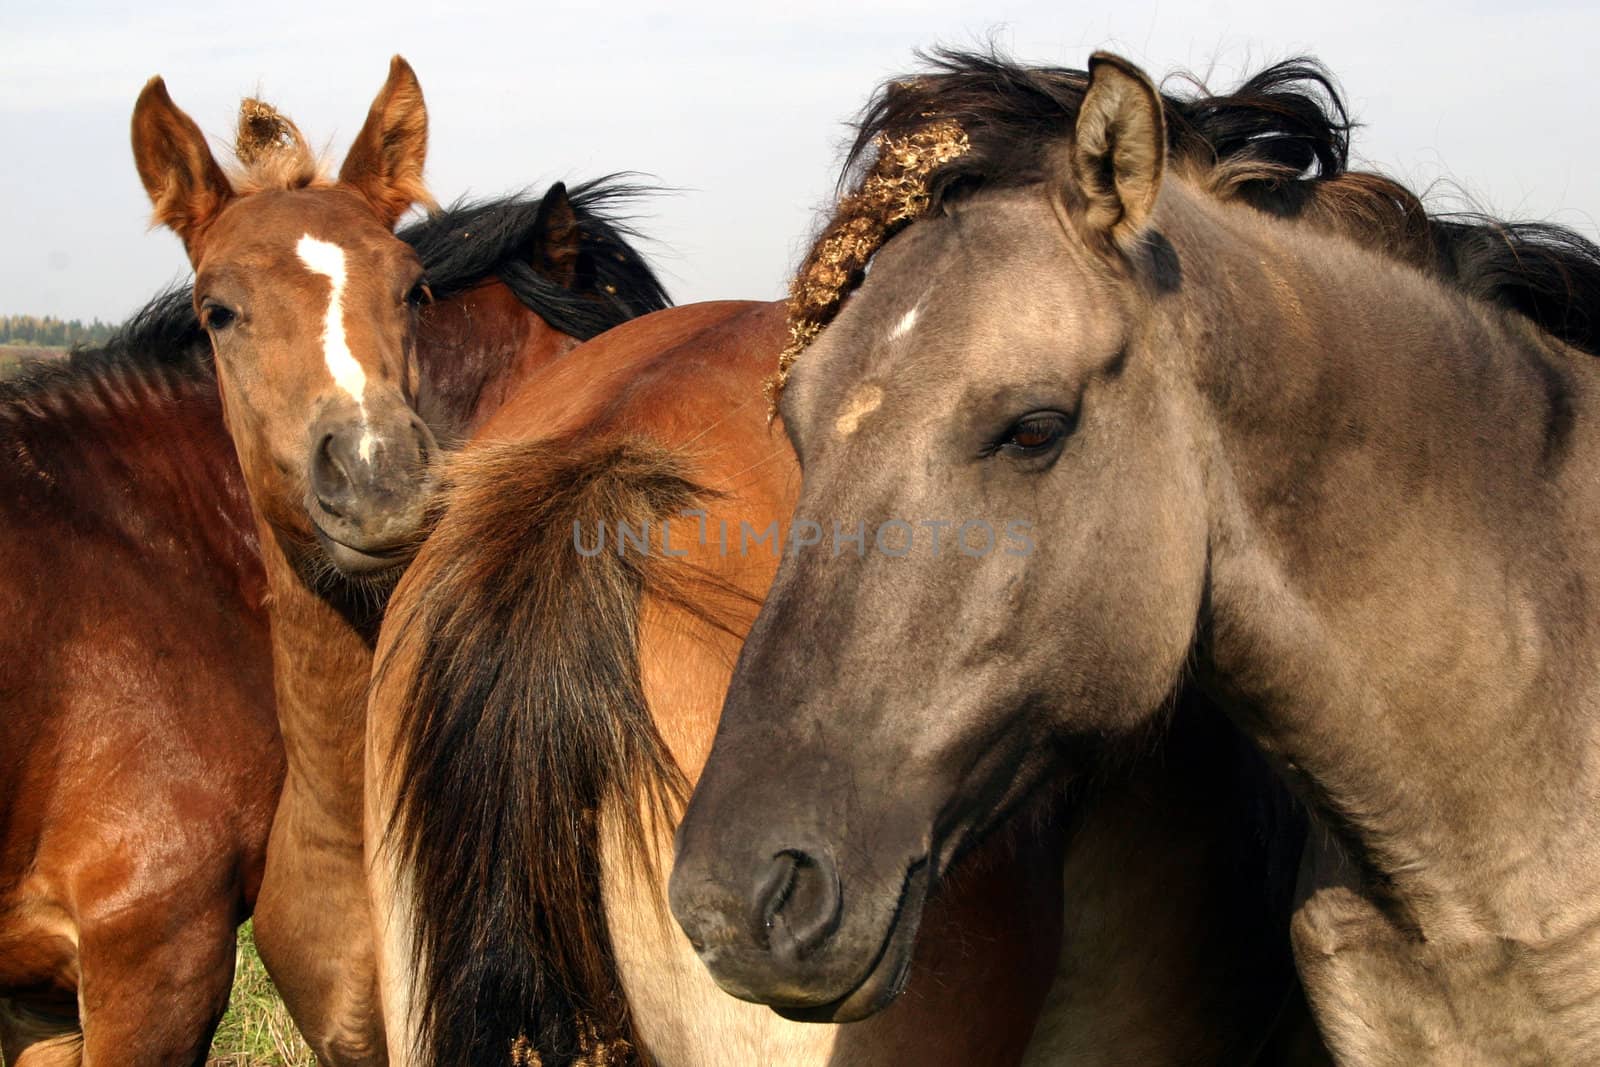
x,y
310,300
1002,371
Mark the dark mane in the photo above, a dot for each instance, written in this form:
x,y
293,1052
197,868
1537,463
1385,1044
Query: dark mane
x,y
460,247
161,342
1279,142
468,242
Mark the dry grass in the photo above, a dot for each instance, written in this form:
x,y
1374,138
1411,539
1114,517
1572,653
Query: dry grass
x,y
257,1031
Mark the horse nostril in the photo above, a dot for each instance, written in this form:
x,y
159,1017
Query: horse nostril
x,y
330,478
796,905
424,442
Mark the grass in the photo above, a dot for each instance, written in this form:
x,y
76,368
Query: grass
x,y
257,1031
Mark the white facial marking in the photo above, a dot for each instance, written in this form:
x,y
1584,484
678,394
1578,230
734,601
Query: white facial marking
x,y
908,320
863,402
326,259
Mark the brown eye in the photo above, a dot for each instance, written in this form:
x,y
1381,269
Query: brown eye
x,y
419,295
1035,434
215,317
1031,437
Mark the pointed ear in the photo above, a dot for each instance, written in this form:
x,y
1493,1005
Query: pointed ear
x,y
1118,154
557,240
179,172
385,162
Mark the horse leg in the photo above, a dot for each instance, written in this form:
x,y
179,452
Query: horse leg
x,y
154,997
33,1038
314,932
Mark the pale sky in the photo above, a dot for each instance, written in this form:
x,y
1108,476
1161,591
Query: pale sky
x,y
740,107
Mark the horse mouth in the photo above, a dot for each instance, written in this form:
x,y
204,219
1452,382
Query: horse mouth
x,y
364,560
886,978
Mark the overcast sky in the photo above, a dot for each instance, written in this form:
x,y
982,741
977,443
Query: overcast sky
x,y
738,106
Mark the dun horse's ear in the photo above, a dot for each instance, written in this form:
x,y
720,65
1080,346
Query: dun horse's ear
x,y
1118,154
179,172
559,240
385,162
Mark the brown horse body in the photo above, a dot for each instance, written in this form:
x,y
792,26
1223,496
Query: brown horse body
x,y
511,664
140,742
139,755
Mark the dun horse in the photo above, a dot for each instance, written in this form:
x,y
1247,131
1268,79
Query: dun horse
x,y
1289,444
519,284
542,700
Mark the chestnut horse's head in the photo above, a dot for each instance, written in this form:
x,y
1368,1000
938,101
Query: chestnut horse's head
x,y
309,299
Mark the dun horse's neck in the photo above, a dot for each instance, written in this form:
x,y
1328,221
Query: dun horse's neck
x,y
1398,485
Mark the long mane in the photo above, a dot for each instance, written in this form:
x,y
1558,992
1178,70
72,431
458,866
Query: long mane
x,y
1279,142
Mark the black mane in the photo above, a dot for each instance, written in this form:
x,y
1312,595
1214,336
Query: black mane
x,y
469,242
163,338
1280,142
460,247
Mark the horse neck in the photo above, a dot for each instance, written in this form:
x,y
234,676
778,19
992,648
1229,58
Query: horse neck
x,y
321,662
142,453
475,349
1398,564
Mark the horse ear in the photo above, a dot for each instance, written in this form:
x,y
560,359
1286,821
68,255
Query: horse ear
x,y
385,162
1118,154
186,186
558,242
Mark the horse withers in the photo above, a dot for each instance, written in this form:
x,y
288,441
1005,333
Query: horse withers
x,y
1275,435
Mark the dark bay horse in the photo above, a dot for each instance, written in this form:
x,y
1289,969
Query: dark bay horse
x,y
1287,443
139,742
129,551
539,705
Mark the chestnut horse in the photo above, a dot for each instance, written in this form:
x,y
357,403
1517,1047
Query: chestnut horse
x,y
544,698
1290,444
568,263
139,746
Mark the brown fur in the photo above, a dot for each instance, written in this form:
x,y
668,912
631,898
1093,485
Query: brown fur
x,y
505,628
385,161
125,498
188,196
339,477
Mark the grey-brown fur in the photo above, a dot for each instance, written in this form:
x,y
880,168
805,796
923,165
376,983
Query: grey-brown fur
x,y
1348,500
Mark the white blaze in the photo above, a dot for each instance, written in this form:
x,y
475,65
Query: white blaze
x,y
326,259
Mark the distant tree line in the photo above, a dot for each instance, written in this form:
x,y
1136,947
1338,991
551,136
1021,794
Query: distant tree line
x,y
47,331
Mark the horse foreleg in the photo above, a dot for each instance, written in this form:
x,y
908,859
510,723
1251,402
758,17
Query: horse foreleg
x,y
151,997
314,932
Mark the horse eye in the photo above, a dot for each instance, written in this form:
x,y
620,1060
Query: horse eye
x,y
1035,434
217,317
420,294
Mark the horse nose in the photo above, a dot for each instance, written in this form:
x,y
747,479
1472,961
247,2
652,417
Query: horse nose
x,y
356,466
795,905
